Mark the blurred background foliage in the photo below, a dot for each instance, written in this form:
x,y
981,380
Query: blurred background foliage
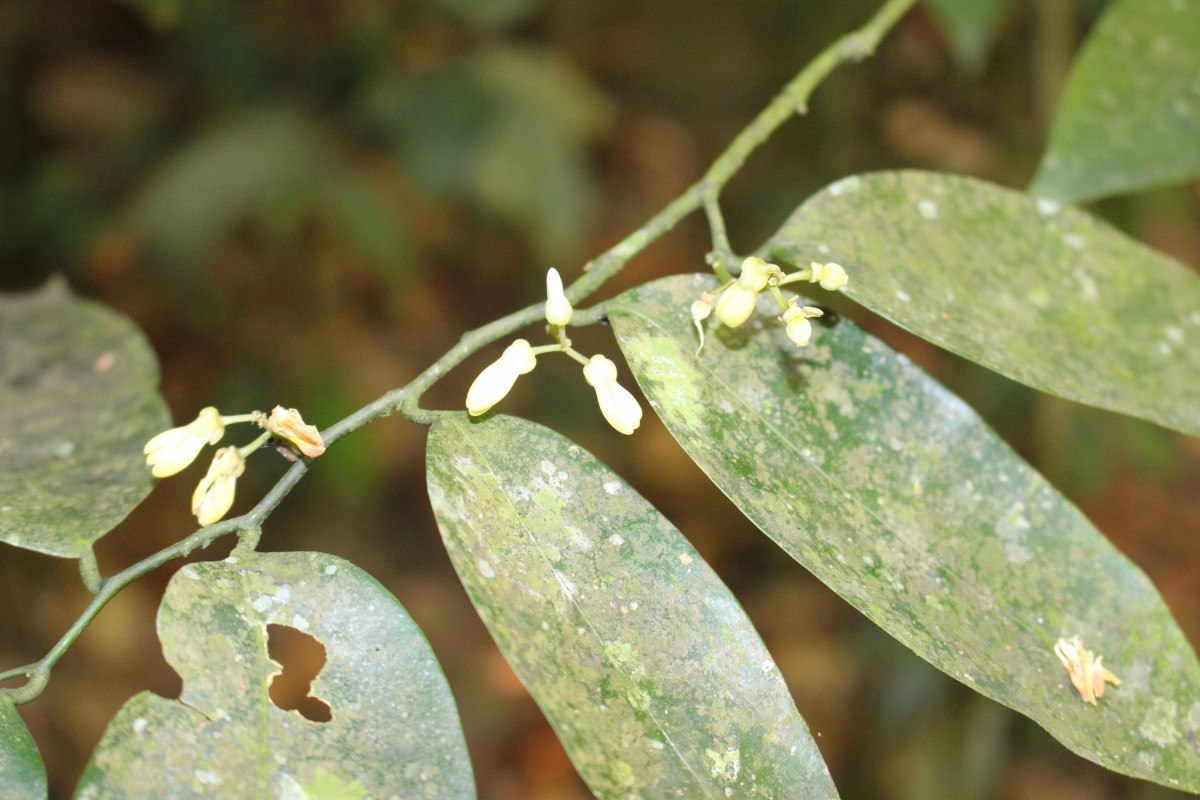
x,y
307,203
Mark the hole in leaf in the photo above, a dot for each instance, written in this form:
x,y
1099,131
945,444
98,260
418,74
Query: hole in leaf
x,y
301,658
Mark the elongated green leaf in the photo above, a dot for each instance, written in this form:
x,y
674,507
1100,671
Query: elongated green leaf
x,y
393,731
970,24
1130,116
895,494
22,774
647,667
78,400
1049,297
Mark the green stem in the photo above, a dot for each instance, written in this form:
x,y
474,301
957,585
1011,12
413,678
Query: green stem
x,y
703,194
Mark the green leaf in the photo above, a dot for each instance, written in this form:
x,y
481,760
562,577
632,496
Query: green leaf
x,y
78,400
393,732
896,495
1050,297
22,774
649,670
1130,116
970,25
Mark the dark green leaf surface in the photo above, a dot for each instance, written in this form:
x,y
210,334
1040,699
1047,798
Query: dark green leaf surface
x,y
895,494
78,400
970,24
394,730
1047,296
649,670
1130,116
22,774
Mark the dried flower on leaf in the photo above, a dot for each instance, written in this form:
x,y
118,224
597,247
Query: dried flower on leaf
x,y
1088,675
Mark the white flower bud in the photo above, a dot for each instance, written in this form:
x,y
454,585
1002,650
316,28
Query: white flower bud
x,y
497,378
617,404
799,329
558,307
736,303
171,451
831,276
214,495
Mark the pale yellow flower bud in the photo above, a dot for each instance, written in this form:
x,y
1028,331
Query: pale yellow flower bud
x,y
286,423
214,495
619,407
171,451
737,302
831,276
558,307
497,378
799,329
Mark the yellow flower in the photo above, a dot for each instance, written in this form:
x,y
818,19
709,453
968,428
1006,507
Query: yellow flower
x,y
617,404
497,378
1088,675
558,307
286,423
737,302
171,451
214,494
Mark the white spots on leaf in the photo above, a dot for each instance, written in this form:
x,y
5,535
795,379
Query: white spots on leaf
x,y
616,540
548,468
903,296
290,789
928,209
299,622
189,571
1159,723
845,186
139,725
1174,333
613,488
1073,241
1048,208
1088,289
568,586
685,559
485,569
331,569
768,667
1012,529
262,603
207,777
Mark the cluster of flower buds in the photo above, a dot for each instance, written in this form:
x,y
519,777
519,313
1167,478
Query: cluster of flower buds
x,y
172,451
735,301
619,407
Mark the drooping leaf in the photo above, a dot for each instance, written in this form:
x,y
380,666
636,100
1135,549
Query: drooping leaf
x,y
896,495
393,729
970,24
78,400
1130,116
22,773
265,165
1050,297
533,166
649,670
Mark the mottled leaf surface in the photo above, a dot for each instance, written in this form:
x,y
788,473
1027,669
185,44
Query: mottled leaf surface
x,y
1047,296
22,774
896,495
649,670
970,24
394,730
1130,116
78,400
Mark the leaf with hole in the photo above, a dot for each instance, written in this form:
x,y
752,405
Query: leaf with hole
x,y
1050,297
1129,118
646,666
22,773
78,400
897,496
392,729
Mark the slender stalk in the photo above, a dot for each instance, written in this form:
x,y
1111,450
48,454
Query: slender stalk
x,y
704,194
